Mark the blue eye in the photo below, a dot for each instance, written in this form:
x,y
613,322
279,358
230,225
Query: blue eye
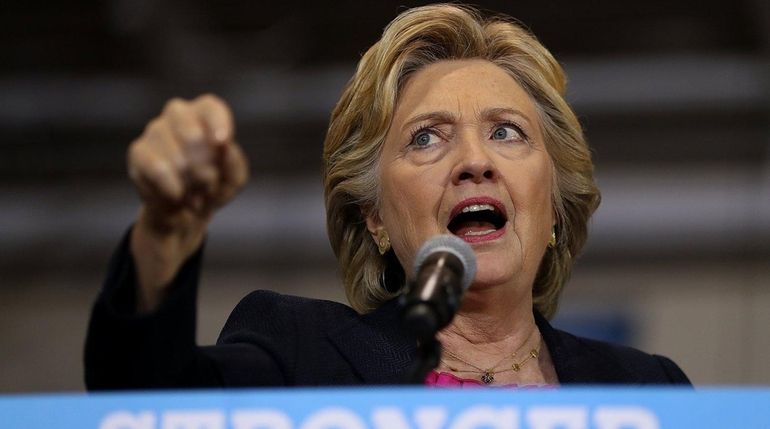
x,y
423,139
507,132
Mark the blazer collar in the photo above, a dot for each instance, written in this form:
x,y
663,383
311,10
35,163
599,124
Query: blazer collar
x,y
380,352
376,347
577,361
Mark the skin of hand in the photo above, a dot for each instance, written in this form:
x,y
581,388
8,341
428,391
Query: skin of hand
x,y
185,166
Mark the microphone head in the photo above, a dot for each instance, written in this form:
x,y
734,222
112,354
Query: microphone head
x,y
454,245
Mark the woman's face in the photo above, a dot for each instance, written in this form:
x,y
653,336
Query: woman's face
x,y
465,155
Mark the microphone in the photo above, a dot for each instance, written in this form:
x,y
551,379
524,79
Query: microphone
x,y
444,269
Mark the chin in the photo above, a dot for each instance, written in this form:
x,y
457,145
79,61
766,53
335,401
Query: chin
x,y
492,272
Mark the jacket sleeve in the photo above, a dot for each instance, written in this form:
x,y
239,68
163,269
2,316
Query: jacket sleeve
x,y
126,350
672,370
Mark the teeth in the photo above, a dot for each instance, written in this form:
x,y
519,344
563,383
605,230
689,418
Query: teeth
x,y
477,208
489,231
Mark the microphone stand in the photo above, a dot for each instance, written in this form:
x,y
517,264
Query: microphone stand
x,y
428,358
423,321
445,269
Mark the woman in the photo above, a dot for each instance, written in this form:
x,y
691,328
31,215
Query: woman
x,y
451,124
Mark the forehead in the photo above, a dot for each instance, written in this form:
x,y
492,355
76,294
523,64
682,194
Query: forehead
x,y
461,86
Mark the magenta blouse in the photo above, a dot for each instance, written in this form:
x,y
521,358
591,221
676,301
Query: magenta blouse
x,y
445,379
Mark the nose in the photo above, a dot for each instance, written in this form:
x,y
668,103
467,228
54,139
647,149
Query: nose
x,y
474,163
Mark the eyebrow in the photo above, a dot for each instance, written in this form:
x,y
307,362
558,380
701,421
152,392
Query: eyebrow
x,y
445,116
500,111
440,116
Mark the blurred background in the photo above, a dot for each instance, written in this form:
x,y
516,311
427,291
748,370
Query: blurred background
x,y
674,98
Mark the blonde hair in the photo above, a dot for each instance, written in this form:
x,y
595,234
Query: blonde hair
x,y
360,121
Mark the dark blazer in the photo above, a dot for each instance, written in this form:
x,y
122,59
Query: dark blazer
x,y
278,340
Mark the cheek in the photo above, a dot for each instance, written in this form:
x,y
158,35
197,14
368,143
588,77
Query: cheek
x,y
409,204
399,223
411,196
532,197
396,212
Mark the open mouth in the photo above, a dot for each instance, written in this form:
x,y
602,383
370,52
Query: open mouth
x,y
476,220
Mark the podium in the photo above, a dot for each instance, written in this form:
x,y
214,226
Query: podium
x,y
395,408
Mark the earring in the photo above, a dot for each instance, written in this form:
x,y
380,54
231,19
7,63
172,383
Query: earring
x,y
552,241
383,241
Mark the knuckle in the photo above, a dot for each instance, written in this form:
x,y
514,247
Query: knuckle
x,y
135,152
174,105
132,167
133,148
207,175
210,174
215,106
210,99
191,133
154,128
157,169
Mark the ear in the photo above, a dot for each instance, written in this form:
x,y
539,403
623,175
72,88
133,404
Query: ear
x,y
373,221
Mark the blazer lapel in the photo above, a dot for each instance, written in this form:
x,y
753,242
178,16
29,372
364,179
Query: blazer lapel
x,y
375,346
380,352
576,362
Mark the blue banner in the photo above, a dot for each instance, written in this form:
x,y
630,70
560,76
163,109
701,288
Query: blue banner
x,y
394,408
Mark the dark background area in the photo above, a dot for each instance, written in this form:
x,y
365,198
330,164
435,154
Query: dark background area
x,y
674,98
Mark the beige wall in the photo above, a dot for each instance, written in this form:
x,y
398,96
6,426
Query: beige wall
x,y
710,318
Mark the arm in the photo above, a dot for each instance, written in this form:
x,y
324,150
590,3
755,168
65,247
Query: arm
x,y
185,166
130,350
142,330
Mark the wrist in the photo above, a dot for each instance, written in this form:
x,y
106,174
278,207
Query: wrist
x,y
159,254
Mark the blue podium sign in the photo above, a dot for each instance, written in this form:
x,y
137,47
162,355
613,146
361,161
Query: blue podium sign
x,y
394,408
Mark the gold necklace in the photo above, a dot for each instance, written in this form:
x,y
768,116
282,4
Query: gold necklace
x,y
488,374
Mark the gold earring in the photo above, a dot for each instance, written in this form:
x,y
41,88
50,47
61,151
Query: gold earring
x,y
383,241
552,241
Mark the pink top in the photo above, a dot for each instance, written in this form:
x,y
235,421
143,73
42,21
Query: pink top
x,y
445,379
